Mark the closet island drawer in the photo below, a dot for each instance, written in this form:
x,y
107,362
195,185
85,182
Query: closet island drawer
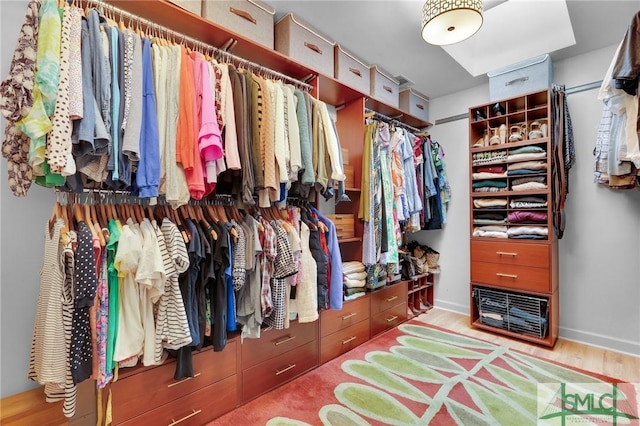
x,y
522,254
275,342
343,341
512,277
155,386
197,408
388,297
352,312
301,42
389,318
278,370
252,19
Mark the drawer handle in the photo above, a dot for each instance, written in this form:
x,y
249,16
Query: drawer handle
x,y
506,253
420,106
388,89
188,416
351,315
392,319
313,47
279,372
516,80
391,299
349,340
243,14
355,71
170,385
500,274
285,340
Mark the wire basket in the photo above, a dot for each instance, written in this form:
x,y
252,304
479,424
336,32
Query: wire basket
x,y
515,312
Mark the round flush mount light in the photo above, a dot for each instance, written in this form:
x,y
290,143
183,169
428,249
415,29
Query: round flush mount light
x,y
450,21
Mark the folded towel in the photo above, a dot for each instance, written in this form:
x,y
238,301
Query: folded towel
x,y
354,283
520,172
491,169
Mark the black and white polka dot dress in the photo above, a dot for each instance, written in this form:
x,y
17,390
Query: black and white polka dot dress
x,y
85,283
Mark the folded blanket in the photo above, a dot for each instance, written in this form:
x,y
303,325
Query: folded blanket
x,y
351,291
488,175
527,205
354,283
520,172
531,165
526,216
491,169
529,186
489,183
490,202
532,230
531,199
527,156
489,189
354,296
492,216
349,267
356,275
526,149
520,181
480,232
489,221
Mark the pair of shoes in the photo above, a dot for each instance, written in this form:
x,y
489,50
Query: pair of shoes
x,y
498,110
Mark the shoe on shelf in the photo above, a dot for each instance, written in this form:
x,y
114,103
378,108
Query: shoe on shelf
x,y
479,115
424,306
515,135
498,110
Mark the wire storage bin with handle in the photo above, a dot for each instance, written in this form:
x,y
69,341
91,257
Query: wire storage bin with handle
x,y
515,312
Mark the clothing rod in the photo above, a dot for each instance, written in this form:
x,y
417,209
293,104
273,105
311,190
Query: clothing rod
x,y
393,121
195,42
569,91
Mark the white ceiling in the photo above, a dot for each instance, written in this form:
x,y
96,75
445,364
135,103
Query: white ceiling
x,y
387,33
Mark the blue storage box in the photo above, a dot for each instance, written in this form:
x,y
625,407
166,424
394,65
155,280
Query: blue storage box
x,y
524,77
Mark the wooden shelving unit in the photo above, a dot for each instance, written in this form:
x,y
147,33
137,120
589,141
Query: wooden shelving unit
x,y
508,273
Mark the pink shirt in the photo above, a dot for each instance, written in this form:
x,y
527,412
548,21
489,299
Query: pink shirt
x,y
209,139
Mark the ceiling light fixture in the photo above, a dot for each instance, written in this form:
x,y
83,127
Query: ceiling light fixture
x,y
450,21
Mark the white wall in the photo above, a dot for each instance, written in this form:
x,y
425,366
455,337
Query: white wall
x,y
599,265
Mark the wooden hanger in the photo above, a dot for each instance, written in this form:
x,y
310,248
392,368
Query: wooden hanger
x,y
88,221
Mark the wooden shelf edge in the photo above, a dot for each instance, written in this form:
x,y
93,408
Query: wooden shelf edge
x,y
547,341
500,147
422,287
349,240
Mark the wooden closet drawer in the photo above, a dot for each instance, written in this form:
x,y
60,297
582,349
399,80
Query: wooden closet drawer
x,y
389,318
388,297
352,312
275,342
508,253
153,387
343,341
197,408
278,370
511,277
345,224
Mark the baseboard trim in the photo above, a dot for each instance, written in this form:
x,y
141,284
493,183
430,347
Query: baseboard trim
x,y
452,307
624,346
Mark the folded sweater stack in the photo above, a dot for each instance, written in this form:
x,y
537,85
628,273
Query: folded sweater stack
x,y
354,278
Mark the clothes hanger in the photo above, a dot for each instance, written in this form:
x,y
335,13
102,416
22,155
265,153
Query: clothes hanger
x,y
89,221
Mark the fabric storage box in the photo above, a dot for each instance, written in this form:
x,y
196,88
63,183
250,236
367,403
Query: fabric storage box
x,y
528,76
301,42
194,6
350,70
345,225
383,87
251,19
415,104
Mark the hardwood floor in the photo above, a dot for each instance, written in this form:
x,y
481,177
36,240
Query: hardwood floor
x,y
591,358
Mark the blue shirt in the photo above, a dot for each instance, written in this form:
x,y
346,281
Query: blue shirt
x,y
335,292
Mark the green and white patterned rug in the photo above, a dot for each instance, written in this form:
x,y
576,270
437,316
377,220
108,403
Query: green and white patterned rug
x,y
418,374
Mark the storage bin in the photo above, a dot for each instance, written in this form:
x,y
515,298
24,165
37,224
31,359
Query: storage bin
x,y
345,225
251,19
523,77
350,70
515,312
301,42
383,87
194,6
416,104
